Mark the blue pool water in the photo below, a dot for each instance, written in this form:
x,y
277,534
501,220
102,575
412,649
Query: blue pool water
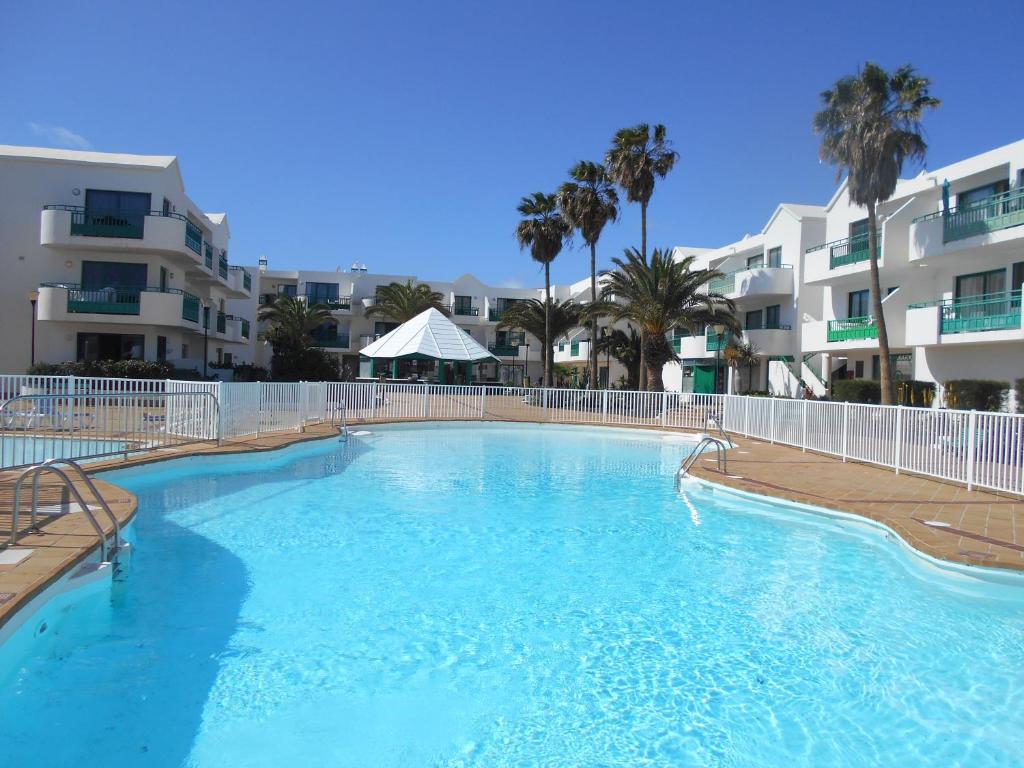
x,y
509,596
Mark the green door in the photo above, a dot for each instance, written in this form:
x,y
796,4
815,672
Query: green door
x,y
704,379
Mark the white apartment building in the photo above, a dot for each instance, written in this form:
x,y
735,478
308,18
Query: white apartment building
x,y
951,266
105,256
474,306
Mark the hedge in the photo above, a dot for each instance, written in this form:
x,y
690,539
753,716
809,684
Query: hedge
x,y
857,391
116,369
1018,387
976,394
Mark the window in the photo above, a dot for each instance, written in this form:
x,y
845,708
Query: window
x,y
463,305
288,290
161,348
771,316
891,290
858,369
110,346
859,229
105,202
163,279
226,359
974,196
1017,281
980,283
381,327
858,304
755,262
166,209
754,320
97,275
775,257
321,293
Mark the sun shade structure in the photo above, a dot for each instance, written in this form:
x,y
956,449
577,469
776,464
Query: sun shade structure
x,y
428,336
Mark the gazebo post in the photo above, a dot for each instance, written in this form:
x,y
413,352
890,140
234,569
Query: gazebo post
x,y
394,368
372,372
469,372
440,372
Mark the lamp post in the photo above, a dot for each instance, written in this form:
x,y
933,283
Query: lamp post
x,y
526,364
206,334
719,330
33,297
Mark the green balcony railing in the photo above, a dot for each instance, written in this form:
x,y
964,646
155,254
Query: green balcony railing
x,y
987,312
246,281
724,284
245,329
466,310
849,250
194,239
852,329
494,315
99,222
574,349
503,350
715,342
332,340
997,212
190,308
222,267
222,322
677,344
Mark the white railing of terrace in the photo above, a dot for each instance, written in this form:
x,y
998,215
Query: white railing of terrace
x,y
977,449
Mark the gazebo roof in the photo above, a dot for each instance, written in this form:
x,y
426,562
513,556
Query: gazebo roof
x,y
429,335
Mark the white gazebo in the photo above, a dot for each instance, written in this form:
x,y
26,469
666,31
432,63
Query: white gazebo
x,y
428,336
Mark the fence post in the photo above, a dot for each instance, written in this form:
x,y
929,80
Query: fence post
x,y
483,402
846,427
746,416
426,401
373,405
771,420
803,440
545,403
604,407
664,408
972,424
70,383
899,437
220,413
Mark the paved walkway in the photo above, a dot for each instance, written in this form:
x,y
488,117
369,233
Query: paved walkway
x,y
976,527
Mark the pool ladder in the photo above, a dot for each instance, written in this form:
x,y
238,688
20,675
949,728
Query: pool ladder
x,y
689,460
343,426
52,466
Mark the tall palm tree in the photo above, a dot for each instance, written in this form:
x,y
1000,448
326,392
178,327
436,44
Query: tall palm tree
x,y
554,317
403,301
588,202
637,158
543,231
740,354
625,348
870,123
661,294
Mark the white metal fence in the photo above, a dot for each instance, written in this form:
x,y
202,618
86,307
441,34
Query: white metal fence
x,y
974,448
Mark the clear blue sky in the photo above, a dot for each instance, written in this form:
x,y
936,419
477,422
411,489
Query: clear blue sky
x,y
403,134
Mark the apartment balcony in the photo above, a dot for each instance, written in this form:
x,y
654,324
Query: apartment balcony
x,y
776,341
331,340
462,312
508,350
755,282
69,302
853,333
239,280
572,352
169,234
995,221
333,303
690,347
994,317
841,258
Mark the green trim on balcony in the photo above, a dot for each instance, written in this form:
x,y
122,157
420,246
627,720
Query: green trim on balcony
x,y
849,250
222,267
331,340
194,240
245,329
997,212
574,349
222,322
852,329
987,312
119,301
714,343
190,308
503,350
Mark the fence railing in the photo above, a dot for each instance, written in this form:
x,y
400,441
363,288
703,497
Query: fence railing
x,y
984,450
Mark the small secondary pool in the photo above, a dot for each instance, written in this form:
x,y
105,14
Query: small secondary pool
x,y
478,595
17,450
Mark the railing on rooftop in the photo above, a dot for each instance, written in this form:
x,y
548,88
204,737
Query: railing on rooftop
x,y
987,312
852,329
997,212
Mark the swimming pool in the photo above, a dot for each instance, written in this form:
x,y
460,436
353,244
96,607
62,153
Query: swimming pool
x,y
17,450
476,595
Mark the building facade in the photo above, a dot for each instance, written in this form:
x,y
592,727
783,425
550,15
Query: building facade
x,y
106,257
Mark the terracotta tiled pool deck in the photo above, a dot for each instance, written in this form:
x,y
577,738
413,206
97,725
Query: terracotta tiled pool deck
x,y
980,527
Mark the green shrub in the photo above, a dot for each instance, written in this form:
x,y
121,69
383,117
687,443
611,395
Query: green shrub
x,y
118,369
251,372
917,394
976,394
857,391
1018,388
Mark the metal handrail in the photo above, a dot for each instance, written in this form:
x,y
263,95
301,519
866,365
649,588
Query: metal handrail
x,y
716,419
35,471
88,484
689,460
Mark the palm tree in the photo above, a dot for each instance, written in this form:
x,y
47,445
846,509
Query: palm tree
x,y
537,318
740,354
588,202
870,124
543,231
290,334
403,301
625,348
637,158
659,295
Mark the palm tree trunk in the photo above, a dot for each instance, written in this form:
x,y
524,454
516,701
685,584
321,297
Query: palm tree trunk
x,y
876,298
593,320
643,229
643,334
654,379
547,324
